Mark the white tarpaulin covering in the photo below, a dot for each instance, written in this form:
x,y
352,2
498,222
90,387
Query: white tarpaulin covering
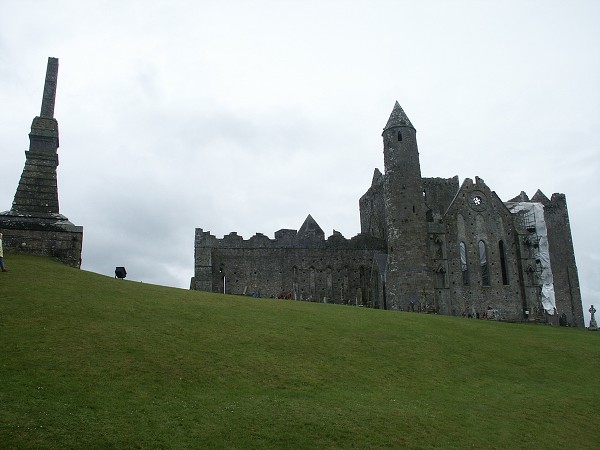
x,y
534,214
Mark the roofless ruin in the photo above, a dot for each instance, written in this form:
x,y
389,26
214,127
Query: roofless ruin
x,y
426,244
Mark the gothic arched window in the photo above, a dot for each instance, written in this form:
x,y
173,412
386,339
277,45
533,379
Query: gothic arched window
x,y
463,263
503,263
483,261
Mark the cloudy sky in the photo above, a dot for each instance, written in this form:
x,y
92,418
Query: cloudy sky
x,y
246,116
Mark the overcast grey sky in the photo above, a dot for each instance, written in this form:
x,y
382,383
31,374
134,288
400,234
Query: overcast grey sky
x,y
248,115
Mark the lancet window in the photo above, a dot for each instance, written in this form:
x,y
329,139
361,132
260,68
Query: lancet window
x,y
483,261
463,263
503,263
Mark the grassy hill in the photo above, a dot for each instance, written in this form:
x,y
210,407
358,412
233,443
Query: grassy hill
x,y
88,361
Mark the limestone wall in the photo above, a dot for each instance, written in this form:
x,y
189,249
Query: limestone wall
x,y
478,215
439,193
336,270
372,209
562,258
62,244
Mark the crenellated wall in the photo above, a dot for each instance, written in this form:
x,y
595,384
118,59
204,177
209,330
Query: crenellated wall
x,y
335,270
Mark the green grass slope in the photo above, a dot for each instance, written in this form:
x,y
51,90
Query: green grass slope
x,y
88,361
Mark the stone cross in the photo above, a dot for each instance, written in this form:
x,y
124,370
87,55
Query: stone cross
x,y
593,325
49,96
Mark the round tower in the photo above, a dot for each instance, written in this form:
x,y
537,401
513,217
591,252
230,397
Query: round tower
x,y
408,278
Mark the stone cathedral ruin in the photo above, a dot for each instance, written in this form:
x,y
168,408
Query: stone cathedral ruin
x,y
33,224
426,244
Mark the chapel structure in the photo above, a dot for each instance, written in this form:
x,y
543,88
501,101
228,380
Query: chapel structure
x,y
426,245
34,224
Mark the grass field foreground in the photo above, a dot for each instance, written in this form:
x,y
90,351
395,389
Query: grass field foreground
x,y
88,361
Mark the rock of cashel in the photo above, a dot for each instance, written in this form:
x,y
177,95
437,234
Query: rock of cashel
x,y
426,245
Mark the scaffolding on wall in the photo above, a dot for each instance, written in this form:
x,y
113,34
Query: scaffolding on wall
x,y
532,220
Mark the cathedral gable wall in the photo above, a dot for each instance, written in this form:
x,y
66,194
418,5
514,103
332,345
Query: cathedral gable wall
x,y
490,278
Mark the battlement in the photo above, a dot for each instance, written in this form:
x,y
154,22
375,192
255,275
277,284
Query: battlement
x,y
298,264
287,239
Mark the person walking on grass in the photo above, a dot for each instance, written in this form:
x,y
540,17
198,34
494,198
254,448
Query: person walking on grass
x,y
4,269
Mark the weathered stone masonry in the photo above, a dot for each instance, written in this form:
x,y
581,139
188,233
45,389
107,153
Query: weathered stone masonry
x,y
426,244
301,265
34,223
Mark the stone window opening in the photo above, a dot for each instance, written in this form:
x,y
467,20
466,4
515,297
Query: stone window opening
x,y
464,267
503,263
399,135
329,282
483,262
295,282
439,247
440,277
223,278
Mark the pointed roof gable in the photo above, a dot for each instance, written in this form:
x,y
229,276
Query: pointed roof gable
x,y
469,191
310,228
522,197
398,118
540,197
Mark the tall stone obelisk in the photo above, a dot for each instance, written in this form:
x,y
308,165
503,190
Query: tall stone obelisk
x,y
37,193
34,224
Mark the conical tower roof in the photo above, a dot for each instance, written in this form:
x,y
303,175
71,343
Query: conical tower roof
x,y
398,118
